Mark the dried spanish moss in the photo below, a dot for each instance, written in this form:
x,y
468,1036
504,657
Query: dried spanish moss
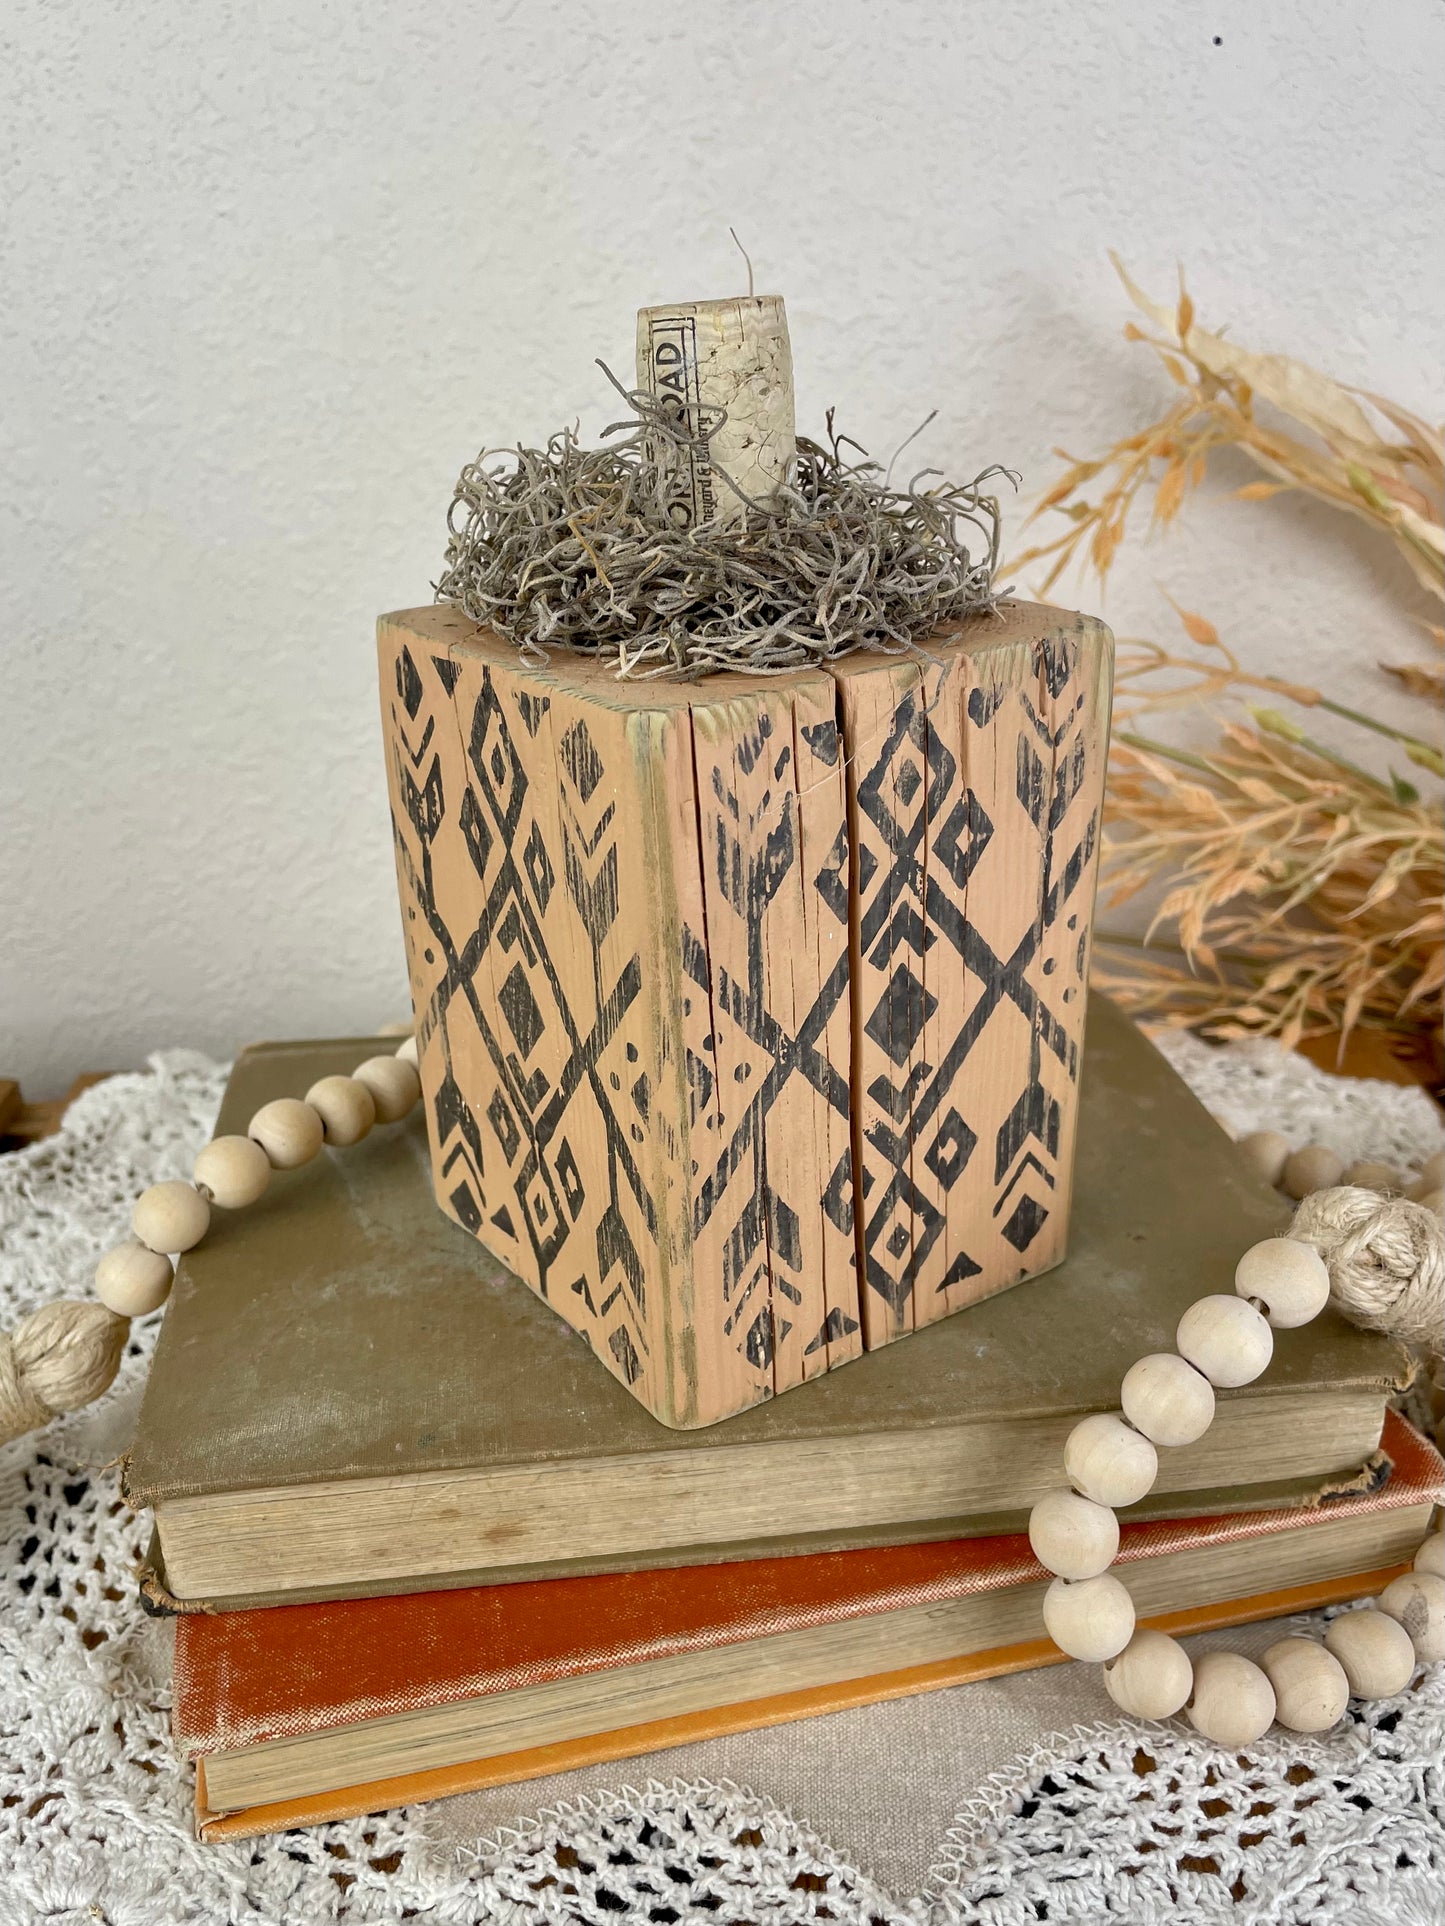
x,y
589,549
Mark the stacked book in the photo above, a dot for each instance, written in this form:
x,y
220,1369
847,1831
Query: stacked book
x,y
418,1541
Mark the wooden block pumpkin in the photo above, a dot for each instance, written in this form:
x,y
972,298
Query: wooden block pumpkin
x,y
749,1009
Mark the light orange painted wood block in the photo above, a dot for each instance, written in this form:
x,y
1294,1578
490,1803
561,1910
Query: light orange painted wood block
x,y
749,1010
977,782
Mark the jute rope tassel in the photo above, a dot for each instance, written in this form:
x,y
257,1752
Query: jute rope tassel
x,y
59,1358
1386,1259
66,1354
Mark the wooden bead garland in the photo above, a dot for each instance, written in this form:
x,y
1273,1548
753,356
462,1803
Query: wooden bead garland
x,y
1268,1152
1367,1174
1375,1651
1109,1461
1232,1701
1310,1687
1316,1167
1416,1601
1112,1458
1073,1537
1151,1677
132,1280
289,1131
232,1172
1091,1619
1226,1339
346,1107
1290,1281
1167,1399
393,1083
171,1217
66,1354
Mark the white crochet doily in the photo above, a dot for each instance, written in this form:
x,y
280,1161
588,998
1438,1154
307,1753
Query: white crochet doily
x,y
1122,1822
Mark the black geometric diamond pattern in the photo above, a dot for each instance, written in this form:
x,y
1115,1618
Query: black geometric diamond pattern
x,y
493,994
940,850
900,1013
928,834
947,877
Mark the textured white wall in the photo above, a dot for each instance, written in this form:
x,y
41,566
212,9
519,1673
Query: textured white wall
x,y
271,274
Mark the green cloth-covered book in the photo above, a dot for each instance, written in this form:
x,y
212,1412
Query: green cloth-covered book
x,y
350,1395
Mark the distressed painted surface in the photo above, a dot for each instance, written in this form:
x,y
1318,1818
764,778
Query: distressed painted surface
x,y
749,1012
975,830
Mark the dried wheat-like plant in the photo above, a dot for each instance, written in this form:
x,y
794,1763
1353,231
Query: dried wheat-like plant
x,y
1301,893
1395,482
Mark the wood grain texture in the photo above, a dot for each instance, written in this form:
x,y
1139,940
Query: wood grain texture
x,y
735,1024
26,1123
977,786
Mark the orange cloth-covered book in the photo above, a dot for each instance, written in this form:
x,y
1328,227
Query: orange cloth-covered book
x,y
300,1713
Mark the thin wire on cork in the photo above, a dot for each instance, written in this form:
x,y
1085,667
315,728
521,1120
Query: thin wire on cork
x,y
582,548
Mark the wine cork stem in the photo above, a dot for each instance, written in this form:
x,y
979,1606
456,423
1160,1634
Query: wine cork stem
x,y
699,358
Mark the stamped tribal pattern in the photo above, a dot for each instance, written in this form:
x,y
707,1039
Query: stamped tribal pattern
x,y
766,1021
515,1001
976,830
731,1000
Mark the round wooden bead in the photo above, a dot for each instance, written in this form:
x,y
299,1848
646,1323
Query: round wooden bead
x,y
1233,1701
289,1131
1431,1174
232,1172
1109,1461
1432,1200
1367,1174
407,1051
1289,1278
393,1083
1167,1399
1090,1620
1310,1687
1416,1600
1073,1536
1226,1339
1267,1152
1375,1650
1316,1167
132,1280
1151,1678
1431,1555
171,1216
346,1108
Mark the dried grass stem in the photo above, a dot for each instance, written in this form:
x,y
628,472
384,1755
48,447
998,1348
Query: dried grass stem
x,y
1298,893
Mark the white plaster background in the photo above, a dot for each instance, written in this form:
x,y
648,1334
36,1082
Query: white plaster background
x,y
272,273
